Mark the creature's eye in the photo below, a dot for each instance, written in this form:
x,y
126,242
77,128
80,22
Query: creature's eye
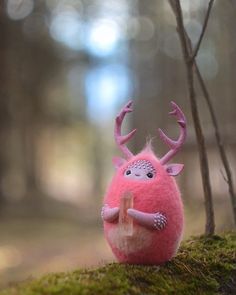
x,y
150,175
128,172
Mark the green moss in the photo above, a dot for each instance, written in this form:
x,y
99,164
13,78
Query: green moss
x,y
204,265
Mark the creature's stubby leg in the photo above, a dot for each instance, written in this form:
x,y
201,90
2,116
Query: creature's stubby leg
x,y
156,221
110,214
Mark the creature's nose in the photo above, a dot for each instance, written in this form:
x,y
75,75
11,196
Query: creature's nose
x,y
137,174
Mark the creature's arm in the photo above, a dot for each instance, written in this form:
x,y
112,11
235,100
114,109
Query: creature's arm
x,y
110,214
156,221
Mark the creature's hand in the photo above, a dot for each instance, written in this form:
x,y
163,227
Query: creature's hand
x,y
156,221
110,214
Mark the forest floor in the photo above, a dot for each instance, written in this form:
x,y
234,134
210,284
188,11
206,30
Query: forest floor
x,y
204,265
32,247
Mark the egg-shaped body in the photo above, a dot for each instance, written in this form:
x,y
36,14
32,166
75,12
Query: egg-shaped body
x,y
160,194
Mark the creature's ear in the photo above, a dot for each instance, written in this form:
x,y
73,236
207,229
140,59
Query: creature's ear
x,y
117,161
174,169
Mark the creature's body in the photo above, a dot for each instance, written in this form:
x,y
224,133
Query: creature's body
x,y
157,207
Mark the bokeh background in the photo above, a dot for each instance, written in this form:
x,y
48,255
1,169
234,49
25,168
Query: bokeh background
x,y
66,68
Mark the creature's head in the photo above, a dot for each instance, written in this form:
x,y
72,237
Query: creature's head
x,y
144,166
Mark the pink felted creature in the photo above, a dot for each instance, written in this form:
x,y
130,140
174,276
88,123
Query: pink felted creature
x,y
157,212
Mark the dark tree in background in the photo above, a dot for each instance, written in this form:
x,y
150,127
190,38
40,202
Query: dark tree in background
x,y
26,67
4,107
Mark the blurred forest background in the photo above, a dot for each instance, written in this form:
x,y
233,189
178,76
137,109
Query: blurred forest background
x,y
67,66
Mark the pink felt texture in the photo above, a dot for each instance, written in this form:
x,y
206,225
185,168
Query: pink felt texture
x,y
159,194
175,145
117,161
122,139
110,214
174,169
148,220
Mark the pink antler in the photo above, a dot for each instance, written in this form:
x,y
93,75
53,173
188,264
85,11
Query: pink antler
x,y
122,139
174,145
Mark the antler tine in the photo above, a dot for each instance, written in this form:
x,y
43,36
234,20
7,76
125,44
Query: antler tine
x,y
174,145
122,139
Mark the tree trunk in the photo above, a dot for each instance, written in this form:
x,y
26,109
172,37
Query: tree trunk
x,y
4,113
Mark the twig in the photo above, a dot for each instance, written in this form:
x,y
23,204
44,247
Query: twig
x,y
195,51
210,223
219,141
223,176
181,30
220,145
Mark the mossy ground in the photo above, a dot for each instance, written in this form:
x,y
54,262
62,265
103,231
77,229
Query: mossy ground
x,y
203,265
